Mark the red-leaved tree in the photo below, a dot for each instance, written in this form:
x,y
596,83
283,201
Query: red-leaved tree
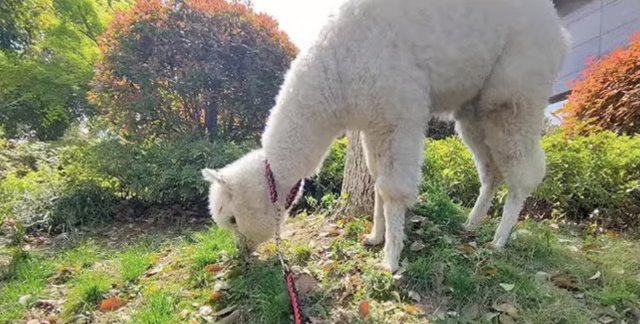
x,y
181,66
608,95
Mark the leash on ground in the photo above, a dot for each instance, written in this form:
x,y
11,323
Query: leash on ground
x,y
277,212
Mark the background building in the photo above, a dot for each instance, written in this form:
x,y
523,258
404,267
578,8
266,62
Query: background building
x,y
596,27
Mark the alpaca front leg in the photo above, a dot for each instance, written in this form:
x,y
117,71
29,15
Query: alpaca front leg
x,y
394,215
510,214
376,236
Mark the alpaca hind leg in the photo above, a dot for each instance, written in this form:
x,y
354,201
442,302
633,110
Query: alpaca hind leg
x,y
397,182
370,144
523,177
490,178
517,152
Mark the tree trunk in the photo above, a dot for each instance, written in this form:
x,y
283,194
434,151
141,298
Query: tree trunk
x,y
357,184
211,120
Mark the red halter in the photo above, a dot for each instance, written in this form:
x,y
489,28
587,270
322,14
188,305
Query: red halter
x,y
273,192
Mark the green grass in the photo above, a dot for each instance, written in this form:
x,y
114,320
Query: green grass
x,y
301,254
25,275
453,270
209,247
82,256
134,261
261,289
87,290
159,308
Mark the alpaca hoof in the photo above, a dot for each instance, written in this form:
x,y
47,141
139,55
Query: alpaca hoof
x,y
470,227
373,240
387,266
495,245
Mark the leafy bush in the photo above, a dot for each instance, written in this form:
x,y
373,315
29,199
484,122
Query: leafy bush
x,y
21,156
30,199
595,177
448,165
608,96
157,173
85,178
327,183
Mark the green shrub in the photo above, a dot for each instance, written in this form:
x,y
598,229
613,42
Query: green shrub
x,y
83,203
596,177
329,179
23,156
158,173
448,165
82,178
30,199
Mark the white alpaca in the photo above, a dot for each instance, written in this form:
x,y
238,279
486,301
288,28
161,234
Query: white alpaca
x,y
386,67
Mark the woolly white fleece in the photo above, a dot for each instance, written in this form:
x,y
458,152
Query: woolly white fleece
x,y
386,67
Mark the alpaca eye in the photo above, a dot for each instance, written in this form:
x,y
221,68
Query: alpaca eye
x,y
232,220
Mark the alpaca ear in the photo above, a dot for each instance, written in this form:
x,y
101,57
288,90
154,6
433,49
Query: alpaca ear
x,y
213,176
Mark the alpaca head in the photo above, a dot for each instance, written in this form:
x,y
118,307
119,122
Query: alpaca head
x,y
239,201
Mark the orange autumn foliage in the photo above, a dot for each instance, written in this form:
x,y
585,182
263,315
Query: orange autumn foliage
x,y
608,94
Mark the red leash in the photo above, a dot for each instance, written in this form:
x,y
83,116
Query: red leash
x,y
288,275
293,295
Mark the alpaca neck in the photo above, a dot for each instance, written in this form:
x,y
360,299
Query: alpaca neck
x,y
296,139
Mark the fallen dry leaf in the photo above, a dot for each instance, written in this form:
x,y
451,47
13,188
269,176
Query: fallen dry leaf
x,y
231,318
412,309
329,266
564,282
48,304
153,271
213,268
490,316
52,319
508,309
305,284
417,246
542,276
595,276
415,296
333,232
606,319
467,248
506,319
507,287
490,272
221,313
111,304
417,219
216,295
471,312
63,275
363,308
